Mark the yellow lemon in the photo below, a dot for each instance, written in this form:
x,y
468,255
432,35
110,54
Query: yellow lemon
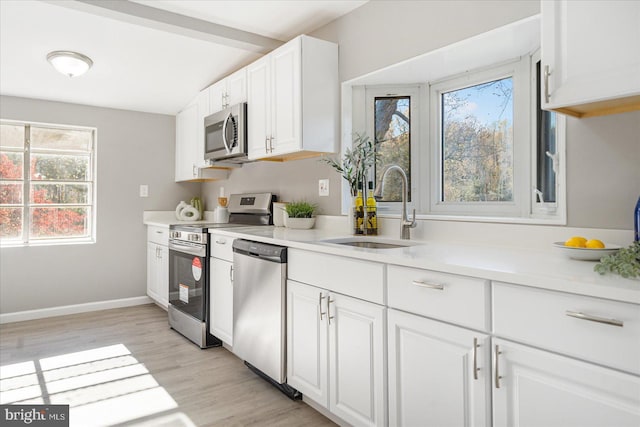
x,y
576,242
594,244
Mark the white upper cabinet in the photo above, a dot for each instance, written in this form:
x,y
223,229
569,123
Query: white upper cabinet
x,y
229,91
590,57
292,96
190,164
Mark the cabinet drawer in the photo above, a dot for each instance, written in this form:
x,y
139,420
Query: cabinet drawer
x,y
159,235
601,331
360,279
456,299
221,246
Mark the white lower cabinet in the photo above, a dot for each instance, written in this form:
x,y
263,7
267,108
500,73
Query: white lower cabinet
x,y
221,300
158,273
158,264
439,374
221,288
539,388
335,352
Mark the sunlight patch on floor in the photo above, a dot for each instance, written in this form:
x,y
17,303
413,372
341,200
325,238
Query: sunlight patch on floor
x,y
102,386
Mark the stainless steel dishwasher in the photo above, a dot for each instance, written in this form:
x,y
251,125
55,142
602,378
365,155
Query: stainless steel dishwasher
x,y
259,310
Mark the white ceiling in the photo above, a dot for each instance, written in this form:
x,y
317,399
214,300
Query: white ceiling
x,y
139,63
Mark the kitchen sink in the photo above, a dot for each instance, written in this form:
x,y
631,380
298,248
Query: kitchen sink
x,y
371,243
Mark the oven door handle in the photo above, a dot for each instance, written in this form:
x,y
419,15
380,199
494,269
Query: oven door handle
x,y
196,250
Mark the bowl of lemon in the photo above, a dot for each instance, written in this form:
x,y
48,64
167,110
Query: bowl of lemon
x,y
578,247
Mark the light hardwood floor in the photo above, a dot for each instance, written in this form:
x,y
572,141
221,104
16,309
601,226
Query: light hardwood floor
x,y
127,367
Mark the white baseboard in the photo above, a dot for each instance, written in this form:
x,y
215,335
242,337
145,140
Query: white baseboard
x,y
20,316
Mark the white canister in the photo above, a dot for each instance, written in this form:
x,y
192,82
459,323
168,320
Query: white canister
x,y
221,215
279,213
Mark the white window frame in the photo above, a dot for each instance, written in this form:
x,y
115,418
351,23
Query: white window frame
x,y
518,71
414,93
358,116
91,179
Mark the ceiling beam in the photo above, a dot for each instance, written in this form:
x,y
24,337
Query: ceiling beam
x,y
159,19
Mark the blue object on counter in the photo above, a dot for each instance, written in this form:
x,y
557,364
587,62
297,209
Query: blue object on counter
x,y
636,219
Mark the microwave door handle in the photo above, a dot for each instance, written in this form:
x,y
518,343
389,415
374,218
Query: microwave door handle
x,y
224,133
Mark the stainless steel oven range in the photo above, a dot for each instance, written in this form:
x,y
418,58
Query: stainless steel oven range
x,y
189,265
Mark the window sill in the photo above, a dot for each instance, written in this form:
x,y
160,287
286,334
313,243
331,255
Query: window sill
x,y
481,219
53,242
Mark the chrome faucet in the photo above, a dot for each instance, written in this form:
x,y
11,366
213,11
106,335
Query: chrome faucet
x,y
405,224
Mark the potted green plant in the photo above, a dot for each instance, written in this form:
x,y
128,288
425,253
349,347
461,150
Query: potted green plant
x,y
300,215
354,168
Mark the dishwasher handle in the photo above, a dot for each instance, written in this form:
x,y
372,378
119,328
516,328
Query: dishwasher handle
x,y
259,250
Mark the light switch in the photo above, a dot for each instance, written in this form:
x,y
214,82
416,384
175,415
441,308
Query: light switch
x,y
144,190
323,187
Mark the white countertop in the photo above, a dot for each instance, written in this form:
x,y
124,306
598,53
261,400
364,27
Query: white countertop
x,y
545,268
540,268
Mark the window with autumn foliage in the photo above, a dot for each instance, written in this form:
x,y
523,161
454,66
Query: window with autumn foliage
x,y
47,183
474,146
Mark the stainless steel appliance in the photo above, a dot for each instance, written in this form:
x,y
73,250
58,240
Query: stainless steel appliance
x,y
259,307
225,134
189,265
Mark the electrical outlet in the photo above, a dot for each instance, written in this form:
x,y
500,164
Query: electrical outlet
x,y
144,190
323,187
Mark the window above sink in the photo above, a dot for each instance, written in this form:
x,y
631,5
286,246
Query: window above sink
x,y
464,122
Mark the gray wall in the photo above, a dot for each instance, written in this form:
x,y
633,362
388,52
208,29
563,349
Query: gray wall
x,y
132,149
603,153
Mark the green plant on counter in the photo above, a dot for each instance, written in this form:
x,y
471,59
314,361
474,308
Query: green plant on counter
x,y
300,209
625,262
356,161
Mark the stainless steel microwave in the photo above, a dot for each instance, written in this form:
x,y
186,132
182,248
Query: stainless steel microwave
x,y
225,134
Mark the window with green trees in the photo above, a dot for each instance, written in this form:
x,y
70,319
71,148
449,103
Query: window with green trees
x,y
47,191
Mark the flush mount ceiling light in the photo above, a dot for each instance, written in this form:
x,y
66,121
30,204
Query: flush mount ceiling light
x,y
69,63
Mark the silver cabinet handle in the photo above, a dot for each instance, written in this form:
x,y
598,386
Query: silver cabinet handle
x,y
320,298
159,232
231,273
437,286
475,358
266,144
221,241
592,318
496,373
547,73
329,301
194,170
271,138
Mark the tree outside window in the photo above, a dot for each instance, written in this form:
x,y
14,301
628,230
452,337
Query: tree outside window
x,y
46,183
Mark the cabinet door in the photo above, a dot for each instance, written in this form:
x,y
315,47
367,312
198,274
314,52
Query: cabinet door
x,y
286,98
152,263
198,143
538,388
221,300
356,365
186,135
158,273
237,87
436,376
307,341
217,96
258,107
591,49
162,276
